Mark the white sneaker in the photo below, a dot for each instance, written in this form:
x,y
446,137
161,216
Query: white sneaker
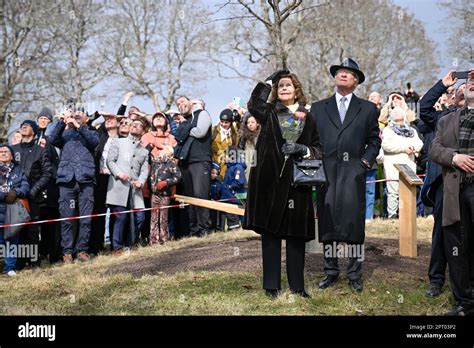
x,y
11,273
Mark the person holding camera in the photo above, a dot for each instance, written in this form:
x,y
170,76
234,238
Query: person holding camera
x,y
432,190
453,149
75,178
276,209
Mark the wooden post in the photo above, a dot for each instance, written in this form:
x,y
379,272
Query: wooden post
x,y
407,210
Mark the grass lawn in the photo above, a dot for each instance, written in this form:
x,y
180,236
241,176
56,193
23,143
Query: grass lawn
x,y
106,287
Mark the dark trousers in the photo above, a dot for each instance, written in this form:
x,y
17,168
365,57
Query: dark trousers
x,y
180,217
75,198
331,264
459,246
271,255
31,236
145,231
438,262
119,227
197,183
96,243
50,244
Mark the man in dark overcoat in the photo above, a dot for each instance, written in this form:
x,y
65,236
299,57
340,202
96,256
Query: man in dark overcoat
x,y
453,149
350,140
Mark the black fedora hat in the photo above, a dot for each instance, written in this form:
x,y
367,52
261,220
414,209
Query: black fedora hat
x,y
349,64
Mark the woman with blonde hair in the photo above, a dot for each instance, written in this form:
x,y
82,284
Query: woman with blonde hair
x,y
400,143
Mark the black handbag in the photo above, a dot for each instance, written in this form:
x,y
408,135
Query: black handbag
x,y
308,173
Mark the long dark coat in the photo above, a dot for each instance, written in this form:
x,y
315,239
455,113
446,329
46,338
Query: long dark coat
x,y
341,203
273,205
445,143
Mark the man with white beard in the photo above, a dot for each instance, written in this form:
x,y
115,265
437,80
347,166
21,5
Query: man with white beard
x,y
453,149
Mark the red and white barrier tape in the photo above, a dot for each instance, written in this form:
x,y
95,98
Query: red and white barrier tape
x,y
161,207
94,215
182,205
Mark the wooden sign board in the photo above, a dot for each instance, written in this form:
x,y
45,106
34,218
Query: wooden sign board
x,y
408,175
407,210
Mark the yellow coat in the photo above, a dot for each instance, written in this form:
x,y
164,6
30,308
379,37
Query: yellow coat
x,y
219,146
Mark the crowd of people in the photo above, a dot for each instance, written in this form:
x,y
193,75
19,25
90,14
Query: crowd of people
x,y
77,163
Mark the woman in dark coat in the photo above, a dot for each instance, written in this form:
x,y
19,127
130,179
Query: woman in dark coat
x,y
275,209
13,185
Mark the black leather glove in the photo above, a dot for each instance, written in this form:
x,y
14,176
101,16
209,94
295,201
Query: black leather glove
x,y
11,197
290,148
276,75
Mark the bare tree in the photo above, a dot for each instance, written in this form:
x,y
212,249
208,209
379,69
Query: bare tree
x,y
78,65
258,31
157,47
25,44
389,44
390,55
460,23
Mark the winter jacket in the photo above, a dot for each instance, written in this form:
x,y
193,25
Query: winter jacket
x,y
126,155
220,146
220,191
77,156
394,147
164,169
35,163
16,180
235,177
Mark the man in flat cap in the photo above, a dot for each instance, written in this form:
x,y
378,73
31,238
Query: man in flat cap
x,y
350,139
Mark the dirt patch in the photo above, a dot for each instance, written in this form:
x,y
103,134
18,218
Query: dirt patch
x,y
244,255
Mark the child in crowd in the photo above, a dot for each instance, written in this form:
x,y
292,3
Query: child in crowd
x,y
164,175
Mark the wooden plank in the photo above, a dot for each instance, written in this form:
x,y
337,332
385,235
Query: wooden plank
x,y
407,210
204,203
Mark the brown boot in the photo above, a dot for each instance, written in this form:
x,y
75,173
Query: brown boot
x,y
83,256
67,259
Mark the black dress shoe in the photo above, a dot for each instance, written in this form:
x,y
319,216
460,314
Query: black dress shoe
x,y
272,293
433,291
301,293
328,281
356,285
459,311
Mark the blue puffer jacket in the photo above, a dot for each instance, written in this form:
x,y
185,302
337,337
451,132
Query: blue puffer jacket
x,y
17,181
77,156
220,191
235,176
